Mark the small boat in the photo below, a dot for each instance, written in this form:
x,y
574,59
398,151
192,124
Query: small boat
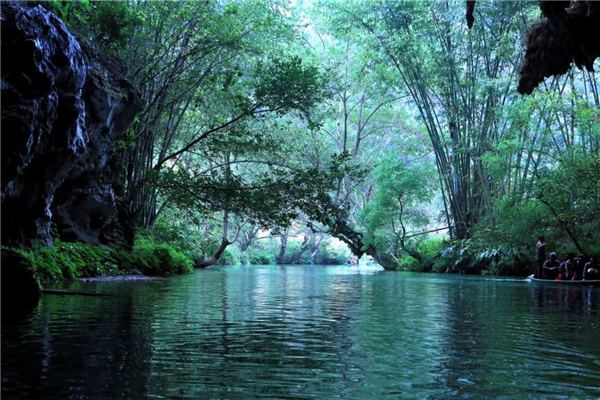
x,y
595,282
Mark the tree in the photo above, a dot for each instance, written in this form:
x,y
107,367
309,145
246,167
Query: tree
x,y
396,211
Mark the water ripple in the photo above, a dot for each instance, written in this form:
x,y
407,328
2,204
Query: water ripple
x,y
306,332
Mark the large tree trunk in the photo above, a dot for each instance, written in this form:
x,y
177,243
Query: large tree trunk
x,y
207,262
353,239
387,261
346,234
284,240
303,247
247,238
315,245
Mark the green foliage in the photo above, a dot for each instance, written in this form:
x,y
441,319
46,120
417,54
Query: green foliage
x,y
231,256
292,252
332,254
397,204
407,263
289,85
261,252
429,248
180,237
472,256
571,192
273,198
564,199
69,261
112,23
159,258
69,11
257,257
241,118
108,23
469,256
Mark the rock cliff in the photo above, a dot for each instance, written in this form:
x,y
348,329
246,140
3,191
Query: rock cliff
x,y
568,34
64,107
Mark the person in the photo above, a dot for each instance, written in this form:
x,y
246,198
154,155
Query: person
x,y
551,267
578,268
540,256
566,268
590,270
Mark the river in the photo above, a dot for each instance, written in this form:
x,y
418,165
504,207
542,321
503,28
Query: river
x,y
307,332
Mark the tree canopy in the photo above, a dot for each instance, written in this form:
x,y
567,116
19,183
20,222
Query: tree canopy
x,y
384,124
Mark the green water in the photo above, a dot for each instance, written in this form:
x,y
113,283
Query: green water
x,y
307,332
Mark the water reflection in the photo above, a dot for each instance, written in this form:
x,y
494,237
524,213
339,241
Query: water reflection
x,y
307,332
68,351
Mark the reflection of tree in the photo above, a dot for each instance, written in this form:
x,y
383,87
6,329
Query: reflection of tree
x,y
79,347
265,331
460,343
239,332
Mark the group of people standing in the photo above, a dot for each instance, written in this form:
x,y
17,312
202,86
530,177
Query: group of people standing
x,y
572,268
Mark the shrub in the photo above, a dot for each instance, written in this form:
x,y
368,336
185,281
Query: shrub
x,y
332,253
472,256
231,256
182,239
407,263
305,258
69,261
429,248
293,251
157,258
260,258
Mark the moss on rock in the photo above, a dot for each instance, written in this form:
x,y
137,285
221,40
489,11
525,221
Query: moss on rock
x,y
69,261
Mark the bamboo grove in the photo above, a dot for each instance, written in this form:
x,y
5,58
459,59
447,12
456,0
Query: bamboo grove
x,y
384,124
